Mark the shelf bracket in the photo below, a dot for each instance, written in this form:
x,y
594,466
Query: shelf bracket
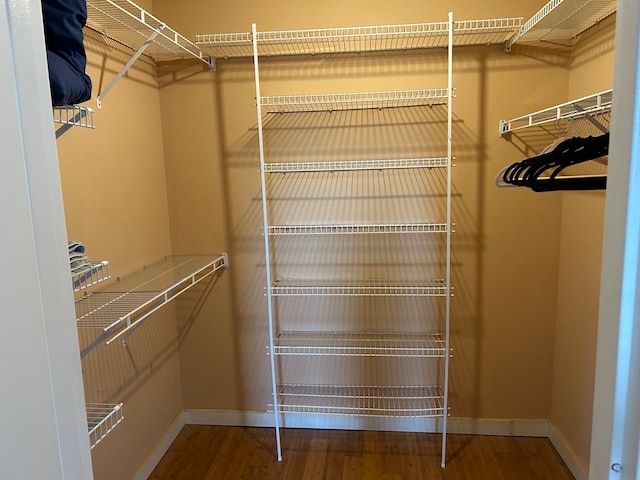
x,y
140,51
589,118
212,64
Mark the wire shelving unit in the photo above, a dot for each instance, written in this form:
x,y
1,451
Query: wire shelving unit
x,y
360,39
361,344
369,401
561,21
130,25
597,103
120,308
102,418
92,274
426,400
72,116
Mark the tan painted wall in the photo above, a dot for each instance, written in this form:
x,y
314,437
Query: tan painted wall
x,y
579,271
115,196
506,244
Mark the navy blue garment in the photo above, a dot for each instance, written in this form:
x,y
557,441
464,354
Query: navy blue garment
x,y
66,56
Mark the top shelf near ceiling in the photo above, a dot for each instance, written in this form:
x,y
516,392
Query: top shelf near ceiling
x,y
560,22
360,39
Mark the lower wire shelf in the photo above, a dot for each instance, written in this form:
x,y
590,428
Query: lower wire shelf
x,y
102,418
361,344
371,288
369,401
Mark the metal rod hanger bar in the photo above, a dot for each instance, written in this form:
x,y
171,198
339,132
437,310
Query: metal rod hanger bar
x,y
102,418
360,39
562,20
291,167
355,101
357,229
72,116
592,104
362,344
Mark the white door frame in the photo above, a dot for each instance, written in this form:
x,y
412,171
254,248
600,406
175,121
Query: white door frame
x,y
43,425
616,408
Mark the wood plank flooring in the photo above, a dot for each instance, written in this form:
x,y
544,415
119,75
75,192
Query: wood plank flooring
x,y
229,453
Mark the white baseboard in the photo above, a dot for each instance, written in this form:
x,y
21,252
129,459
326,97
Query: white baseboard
x,y
567,454
152,460
471,426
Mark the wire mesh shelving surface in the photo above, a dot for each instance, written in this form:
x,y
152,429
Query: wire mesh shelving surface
x,y
102,418
361,344
355,101
74,115
135,297
353,165
130,25
360,39
357,229
94,273
373,401
369,288
592,104
561,21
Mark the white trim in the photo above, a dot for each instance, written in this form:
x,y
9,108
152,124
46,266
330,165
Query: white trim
x,y
468,426
567,454
152,460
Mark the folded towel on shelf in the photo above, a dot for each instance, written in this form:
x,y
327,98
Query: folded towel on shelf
x,y
78,261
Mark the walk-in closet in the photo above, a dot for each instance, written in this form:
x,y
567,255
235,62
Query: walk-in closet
x,y
330,216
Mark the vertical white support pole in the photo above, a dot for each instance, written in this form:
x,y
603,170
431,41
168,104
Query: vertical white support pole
x,y
265,223
448,260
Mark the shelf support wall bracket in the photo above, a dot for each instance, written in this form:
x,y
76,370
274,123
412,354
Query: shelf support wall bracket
x,y
133,59
589,118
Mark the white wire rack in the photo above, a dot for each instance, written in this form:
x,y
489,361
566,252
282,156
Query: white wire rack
x,y
561,21
126,23
130,25
94,273
102,418
352,165
372,401
72,116
125,304
355,101
360,39
426,288
357,229
361,344
592,104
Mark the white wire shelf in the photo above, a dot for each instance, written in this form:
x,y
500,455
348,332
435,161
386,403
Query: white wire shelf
x,y
355,101
130,25
360,344
357,229
94,273
561,21
125,304
373,401
360,39
102,418
72,116
353,165
590,105
427,288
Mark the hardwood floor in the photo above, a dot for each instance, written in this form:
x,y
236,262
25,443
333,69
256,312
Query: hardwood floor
x,y
222,453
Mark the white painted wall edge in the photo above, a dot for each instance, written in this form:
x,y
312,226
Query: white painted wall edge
x,y
565,451
152,460
456,425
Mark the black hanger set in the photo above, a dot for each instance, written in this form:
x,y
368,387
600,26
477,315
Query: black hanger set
x,y
541,173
